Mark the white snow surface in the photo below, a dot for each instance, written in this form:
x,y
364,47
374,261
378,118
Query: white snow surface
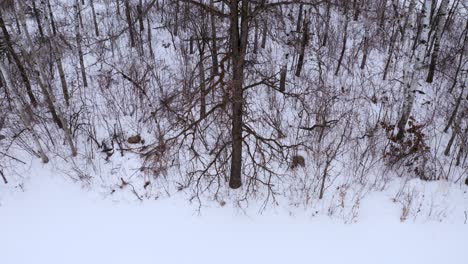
x,y
55,221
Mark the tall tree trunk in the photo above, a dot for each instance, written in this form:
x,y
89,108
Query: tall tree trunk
x,y
460,60
150,37
343,49
357,9
38,19
438,34
382,13
455,110
117,5
128,16
18,62
214,45
390,52
201,69
327,24
365,49
284,63
57,56
255,44
238,41
15,13
93,10
299,19
264,33
304,42
176,19
52,19
140,16
79,44
48,92
411,82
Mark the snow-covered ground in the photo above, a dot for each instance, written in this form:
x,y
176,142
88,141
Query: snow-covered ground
x,y
54,221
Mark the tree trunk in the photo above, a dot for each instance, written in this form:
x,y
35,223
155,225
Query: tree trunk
x,y
48,93
411,82
438,34
214,45
57,56
299,19
284,63
460,60
52,19
201,69
343,49
18,62
357,9
22,113
176,19
150,37
140,15
390,52
96,28
238,39
38,19
304,42
78,43
264,33
255,44
129,22
327,24
382,13
455,110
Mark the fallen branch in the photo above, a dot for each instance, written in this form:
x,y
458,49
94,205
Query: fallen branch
x,y
3,176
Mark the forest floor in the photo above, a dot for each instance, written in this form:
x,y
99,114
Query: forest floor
x,y
54,221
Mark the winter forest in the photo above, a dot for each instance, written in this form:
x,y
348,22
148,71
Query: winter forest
x,y
335,110
313,106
